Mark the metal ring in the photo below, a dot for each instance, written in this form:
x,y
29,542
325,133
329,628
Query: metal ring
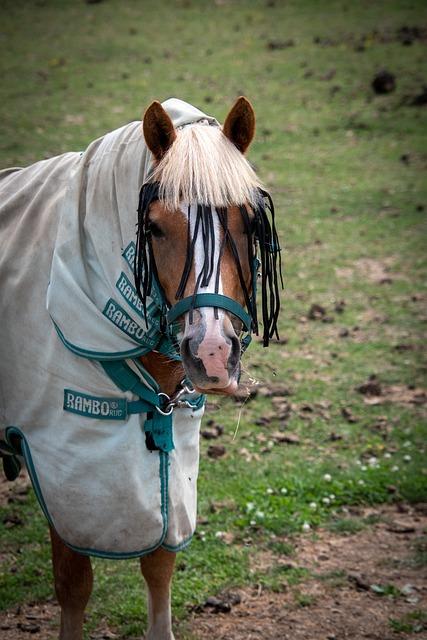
x,y
169,406
166,413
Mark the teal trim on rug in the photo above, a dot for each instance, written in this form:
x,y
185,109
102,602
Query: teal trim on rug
x,y
112,555
99,355
178,547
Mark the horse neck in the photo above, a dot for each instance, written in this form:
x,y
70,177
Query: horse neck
x,y
167,373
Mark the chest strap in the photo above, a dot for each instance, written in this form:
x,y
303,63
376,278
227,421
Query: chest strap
x,y
158,425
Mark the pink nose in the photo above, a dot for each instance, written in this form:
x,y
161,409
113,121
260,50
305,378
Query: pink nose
x,y
215,354
211,354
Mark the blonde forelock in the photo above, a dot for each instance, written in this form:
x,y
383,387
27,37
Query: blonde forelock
x,y
204,167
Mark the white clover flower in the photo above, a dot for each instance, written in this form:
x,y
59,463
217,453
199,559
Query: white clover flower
x,y
283,490
373,461
252,523
331,496
363,468
306,526
358,462
327,477
387,455
407,444
220,534
250,506
269,491
361,482
260,514
312,505
326,501
407,458
395,468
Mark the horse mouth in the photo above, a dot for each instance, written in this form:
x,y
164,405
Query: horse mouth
x,y
229,390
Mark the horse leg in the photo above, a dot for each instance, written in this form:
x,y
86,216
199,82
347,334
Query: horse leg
x,y
157,569
73,585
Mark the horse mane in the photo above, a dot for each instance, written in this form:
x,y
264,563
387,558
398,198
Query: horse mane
x,y
203,166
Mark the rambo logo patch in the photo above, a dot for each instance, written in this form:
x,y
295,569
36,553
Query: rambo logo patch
x,y
118,316
129,254
94,407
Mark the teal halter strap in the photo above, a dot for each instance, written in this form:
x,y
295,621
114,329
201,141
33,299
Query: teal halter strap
x,y
209,300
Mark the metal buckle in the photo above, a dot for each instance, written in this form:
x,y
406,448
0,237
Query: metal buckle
x,y
167,408
174,401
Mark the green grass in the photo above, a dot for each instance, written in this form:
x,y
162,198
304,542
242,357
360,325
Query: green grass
x,y
329,151
414,622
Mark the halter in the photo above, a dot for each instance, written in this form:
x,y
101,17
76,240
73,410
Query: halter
x,y
262,240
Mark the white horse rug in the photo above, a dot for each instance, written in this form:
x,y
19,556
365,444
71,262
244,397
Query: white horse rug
x,y
71,389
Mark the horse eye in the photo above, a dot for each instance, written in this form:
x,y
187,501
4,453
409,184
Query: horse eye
x,y
155,230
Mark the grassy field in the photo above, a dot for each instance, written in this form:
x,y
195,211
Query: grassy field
x,y
346,168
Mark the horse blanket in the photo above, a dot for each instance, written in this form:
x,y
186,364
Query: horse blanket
x,y
69,310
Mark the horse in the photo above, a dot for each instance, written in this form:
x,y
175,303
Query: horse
x,y
130,274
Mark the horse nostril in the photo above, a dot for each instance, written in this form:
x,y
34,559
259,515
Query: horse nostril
x,y
185,348
234,352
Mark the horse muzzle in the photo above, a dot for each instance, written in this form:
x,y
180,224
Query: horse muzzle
x,y
210,352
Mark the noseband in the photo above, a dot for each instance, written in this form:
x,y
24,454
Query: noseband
x,y
263,251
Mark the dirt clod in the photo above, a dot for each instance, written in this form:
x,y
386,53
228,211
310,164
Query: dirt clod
x,y
274,45
384,82
216,451
370,388
316,312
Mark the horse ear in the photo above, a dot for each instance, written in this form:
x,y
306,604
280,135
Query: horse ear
x,y
239,125
159,132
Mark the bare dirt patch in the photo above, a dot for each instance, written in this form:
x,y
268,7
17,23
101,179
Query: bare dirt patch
x,y
16,491
342,598
356,584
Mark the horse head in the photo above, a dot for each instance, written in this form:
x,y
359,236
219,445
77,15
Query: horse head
x,y
203,232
